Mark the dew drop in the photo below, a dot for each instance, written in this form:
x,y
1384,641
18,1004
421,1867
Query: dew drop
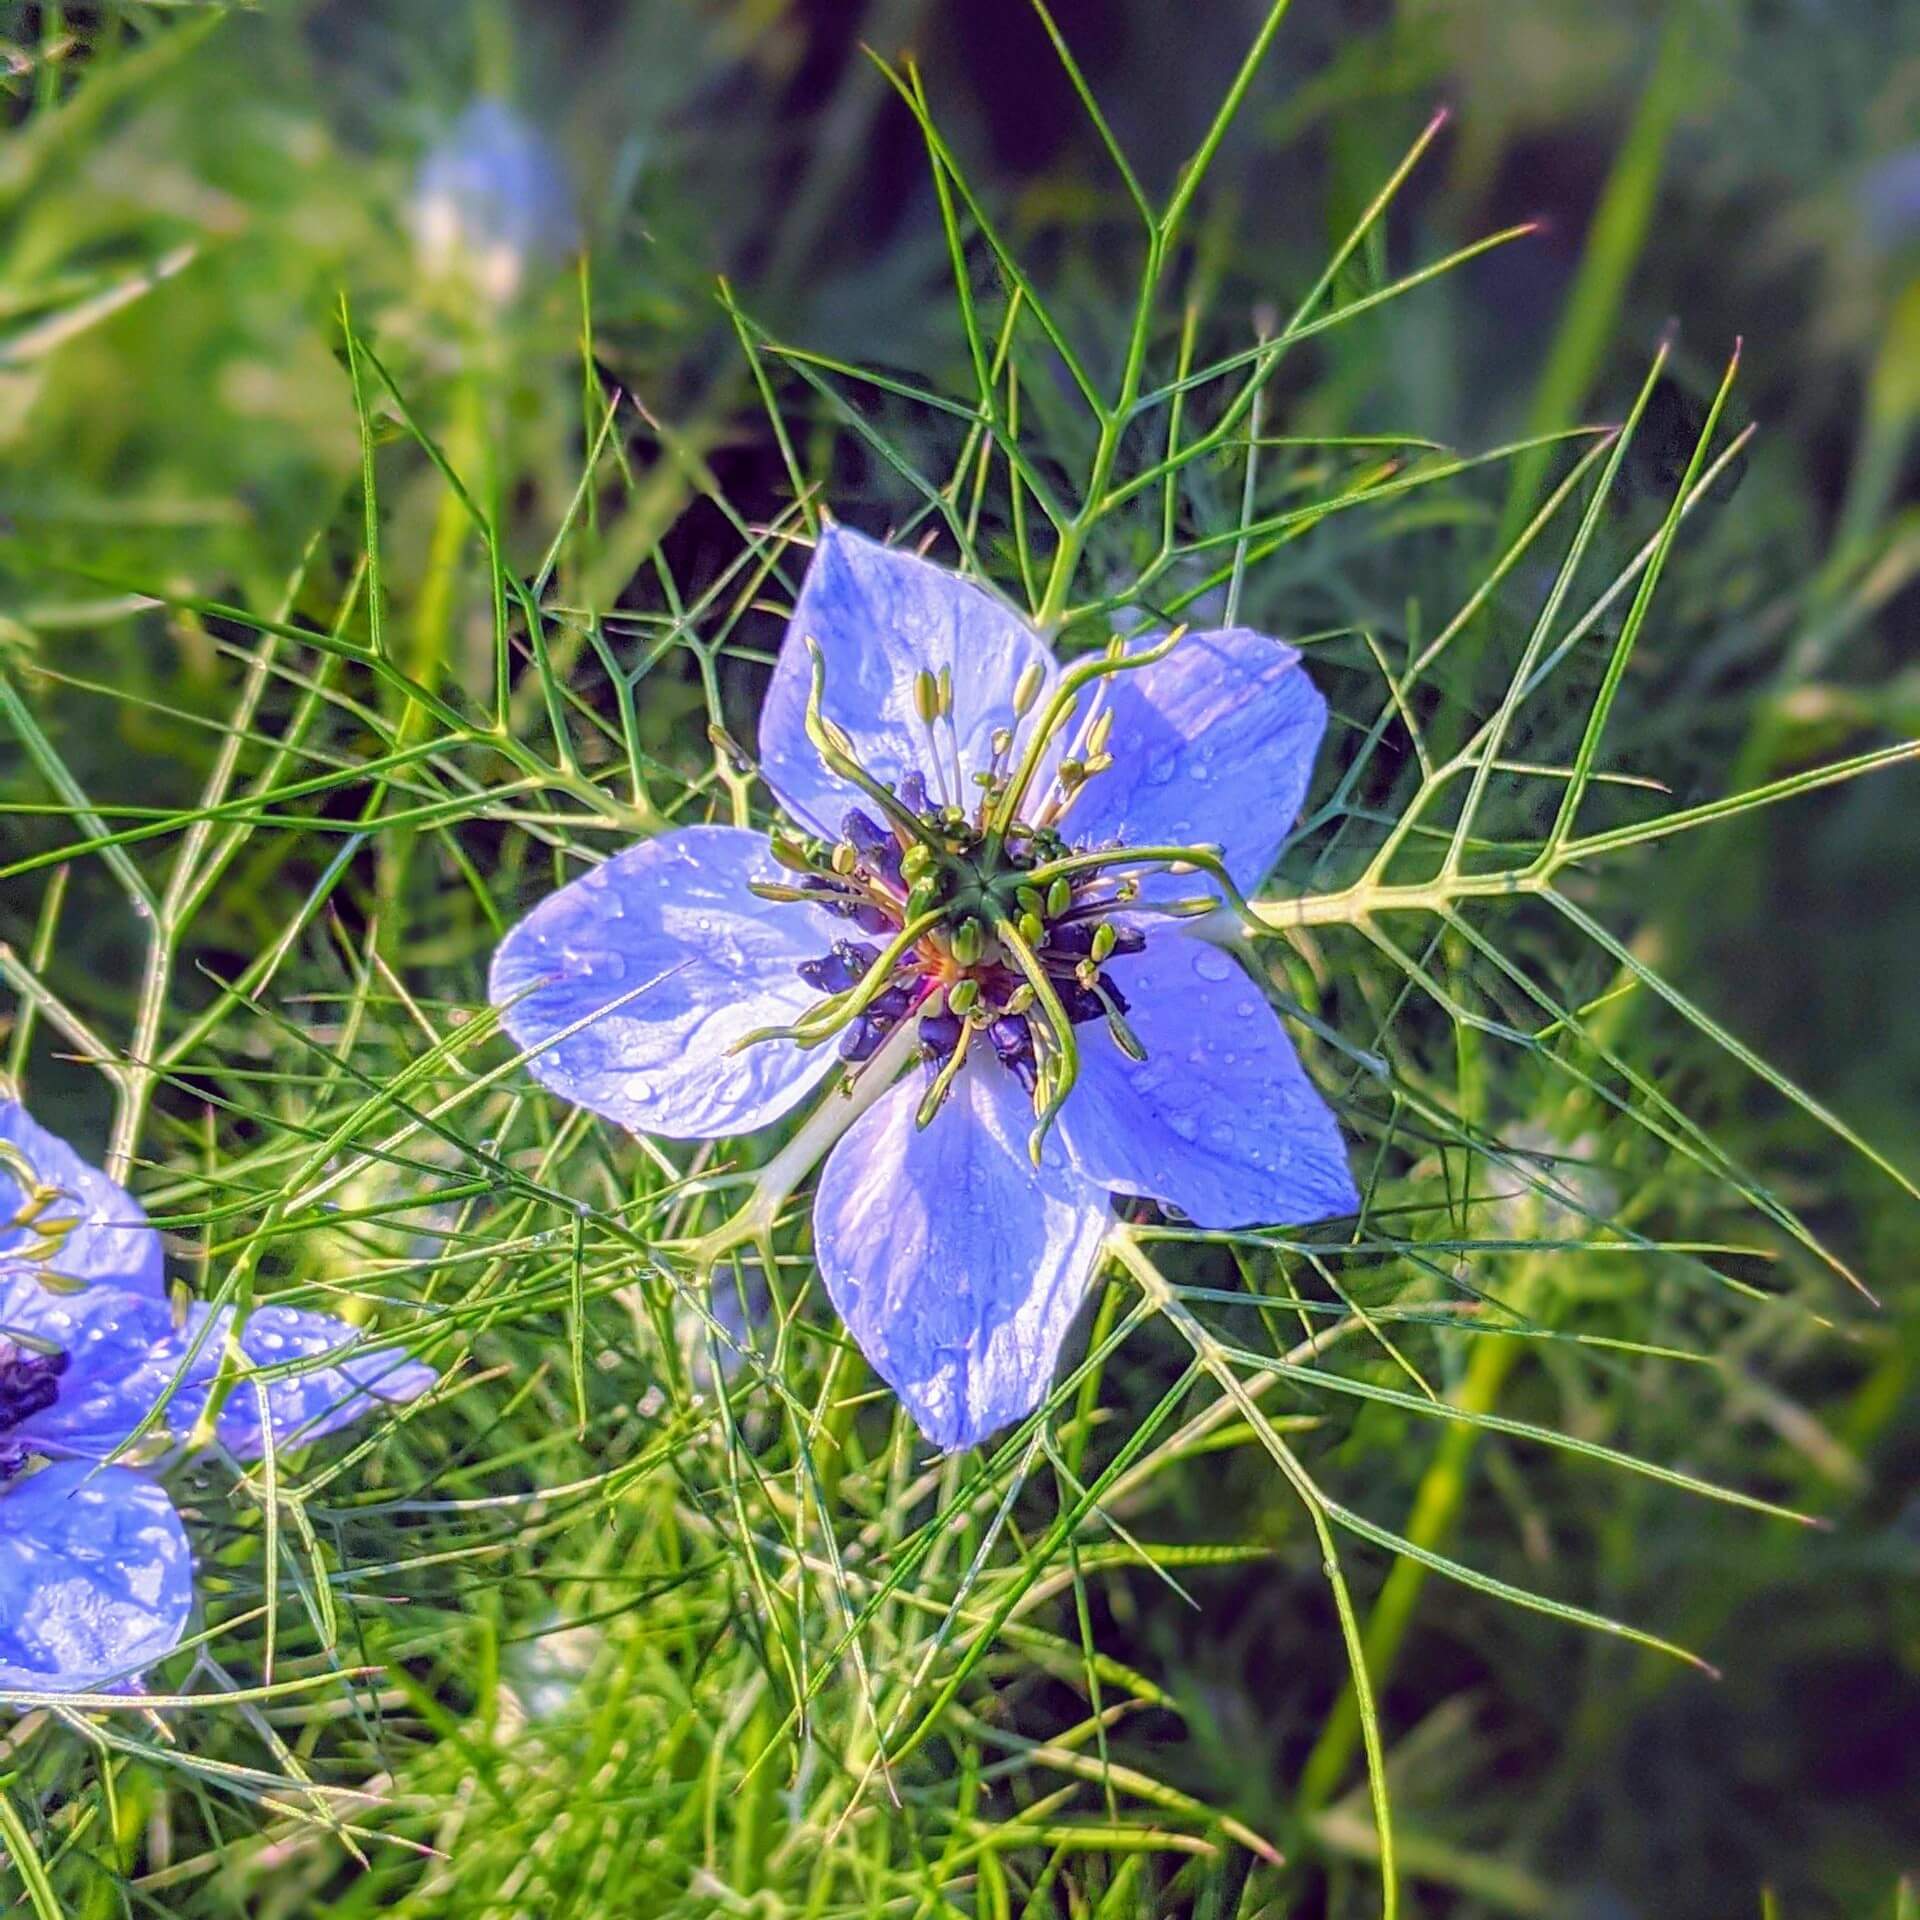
x,y
1183,1124
1211,964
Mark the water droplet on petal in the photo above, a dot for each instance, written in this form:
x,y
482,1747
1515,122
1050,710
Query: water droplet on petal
x,y
1211,964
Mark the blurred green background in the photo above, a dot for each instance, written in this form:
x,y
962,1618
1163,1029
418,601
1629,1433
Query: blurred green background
x,y
188,194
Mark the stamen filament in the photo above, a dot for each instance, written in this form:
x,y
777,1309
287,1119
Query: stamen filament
x,y
1055,715
1206,859
835,750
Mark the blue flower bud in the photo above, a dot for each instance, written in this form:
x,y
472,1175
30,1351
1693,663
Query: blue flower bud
x,y
491,200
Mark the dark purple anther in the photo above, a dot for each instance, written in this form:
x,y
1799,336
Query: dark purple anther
x,y
838,899
844,966
1013,1041
864,834
879,851
861,1041
1076,936
888,1005
940,1034
1081,1004
13,1459
29,1382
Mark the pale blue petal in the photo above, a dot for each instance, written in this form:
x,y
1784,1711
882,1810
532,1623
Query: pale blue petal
x,y
125,1351
1220,1119
109,1238
96,1579
1213,745
880,617
955,1263
663,958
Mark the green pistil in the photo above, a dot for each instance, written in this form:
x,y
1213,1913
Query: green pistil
x,y
1124,1036
840,1010
1063,1067
935,1096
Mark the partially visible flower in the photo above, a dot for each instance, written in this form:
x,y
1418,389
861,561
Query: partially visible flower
x,y
492,199
96,1578
1890,199
1002,870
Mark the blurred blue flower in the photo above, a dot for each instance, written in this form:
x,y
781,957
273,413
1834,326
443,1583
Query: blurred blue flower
x,y
96,1579
492,199
946,776
1890,198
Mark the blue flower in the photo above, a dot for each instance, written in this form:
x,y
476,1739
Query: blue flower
x,y
492,197
96,1579
985,878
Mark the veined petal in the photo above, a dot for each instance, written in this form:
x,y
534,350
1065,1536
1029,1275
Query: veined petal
x,y
1213,745
662,959
108,1237
125,1351
96,1578
1220,1119
956,1263
880,617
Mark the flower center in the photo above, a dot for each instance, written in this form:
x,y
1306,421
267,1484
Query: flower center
x,y
973,942
972,936
996,931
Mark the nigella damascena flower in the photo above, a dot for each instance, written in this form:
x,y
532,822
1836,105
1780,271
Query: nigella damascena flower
x,y
993,876
491,198
96,1578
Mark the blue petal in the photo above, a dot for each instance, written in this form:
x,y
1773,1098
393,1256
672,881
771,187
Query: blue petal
x,y
686,960
1213,745
957,1265
110,1238
1220,1119
96,1579
880,617
125,1352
